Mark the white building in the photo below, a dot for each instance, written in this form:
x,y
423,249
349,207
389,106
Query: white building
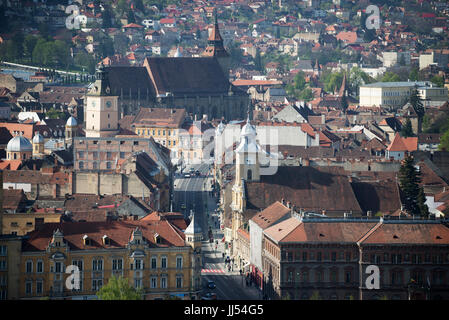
x,y
396,94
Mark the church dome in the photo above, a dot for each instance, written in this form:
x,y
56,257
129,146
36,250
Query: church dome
x,y
19,144
71,122
38,138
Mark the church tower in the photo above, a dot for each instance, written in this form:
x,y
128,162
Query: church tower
x,y
194,237
216,49
247,169
247,160
102,112
71,128
38,145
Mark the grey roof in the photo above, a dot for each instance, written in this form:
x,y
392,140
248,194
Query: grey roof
x,y
398,84
19,144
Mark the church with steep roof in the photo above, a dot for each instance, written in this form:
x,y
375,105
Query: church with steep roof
x,y
198,84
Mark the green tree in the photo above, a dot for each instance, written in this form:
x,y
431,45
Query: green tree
x,y
83,59
258,62
315,296
28,46
407,130
414,74
61,53
409,178
416,102
444,142
357,78
332,81
390,77
119,289
122,6
55,114
438,81
306,95
300,81
106,19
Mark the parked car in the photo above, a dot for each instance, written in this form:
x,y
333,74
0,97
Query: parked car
x,y
209,296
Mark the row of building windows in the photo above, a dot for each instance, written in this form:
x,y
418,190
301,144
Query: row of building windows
x,y
81,155
408,258
96,285
373,258
319,276
396,277
122,142
97,265
153,132
315,256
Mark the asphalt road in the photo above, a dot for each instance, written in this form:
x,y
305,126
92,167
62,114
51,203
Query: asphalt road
x,y
193,193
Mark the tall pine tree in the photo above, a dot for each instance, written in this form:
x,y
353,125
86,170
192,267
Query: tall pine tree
x,y
416,102
414,197
407,130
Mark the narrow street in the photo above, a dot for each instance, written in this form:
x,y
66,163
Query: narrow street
x,y
194,193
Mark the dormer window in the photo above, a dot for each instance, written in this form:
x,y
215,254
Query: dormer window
x,y
86,240
157,238
106,240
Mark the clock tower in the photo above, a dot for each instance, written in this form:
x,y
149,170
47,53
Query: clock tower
x,y
101,107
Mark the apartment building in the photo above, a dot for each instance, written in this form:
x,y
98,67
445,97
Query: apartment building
x,y
396,94
305,257
152,255
163,125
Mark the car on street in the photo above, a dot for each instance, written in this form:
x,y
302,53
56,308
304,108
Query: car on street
x,y
209,296
197,173
187,175
211,285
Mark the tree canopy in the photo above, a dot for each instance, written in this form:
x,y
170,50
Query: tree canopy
x,y
119,289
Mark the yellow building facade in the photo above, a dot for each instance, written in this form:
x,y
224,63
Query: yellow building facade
x,y
152,256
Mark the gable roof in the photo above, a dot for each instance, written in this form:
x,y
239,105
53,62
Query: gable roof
x,y
407,233
119,233
270,215
309,188
125,80
160,117
186,75
403,144
329,231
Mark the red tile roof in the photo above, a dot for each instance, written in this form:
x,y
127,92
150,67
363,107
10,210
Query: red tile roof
x,y
119,233
407,233
403,144
270,215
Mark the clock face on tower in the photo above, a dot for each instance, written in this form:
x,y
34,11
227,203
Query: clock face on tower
x,y
108,104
